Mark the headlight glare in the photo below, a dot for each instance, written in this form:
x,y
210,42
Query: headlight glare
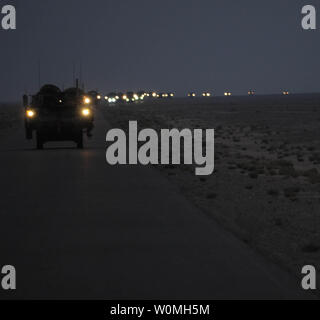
x,y
86,100
30,113
85,112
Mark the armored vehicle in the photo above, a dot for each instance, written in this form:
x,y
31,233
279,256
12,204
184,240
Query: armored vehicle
x,y
53,115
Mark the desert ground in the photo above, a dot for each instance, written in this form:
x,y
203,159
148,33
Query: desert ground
x,y
10,116
265,192
266,184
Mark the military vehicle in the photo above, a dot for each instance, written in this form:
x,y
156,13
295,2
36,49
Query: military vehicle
x,y
120,96
112,97
131,97
54,115
141,95
95,97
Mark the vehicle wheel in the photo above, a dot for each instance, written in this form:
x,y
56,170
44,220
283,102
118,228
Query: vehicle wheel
x,y
80,141
39,141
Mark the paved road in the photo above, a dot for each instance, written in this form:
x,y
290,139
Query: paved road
x,y
75,227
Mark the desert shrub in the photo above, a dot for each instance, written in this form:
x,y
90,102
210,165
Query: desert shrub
x,y
288,172
211,195
291,192
311,248
273,192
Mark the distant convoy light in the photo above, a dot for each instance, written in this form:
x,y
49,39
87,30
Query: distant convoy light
x,y
141,96
86,112
30,113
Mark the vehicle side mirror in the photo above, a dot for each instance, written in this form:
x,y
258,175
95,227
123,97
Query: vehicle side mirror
x,y
25,100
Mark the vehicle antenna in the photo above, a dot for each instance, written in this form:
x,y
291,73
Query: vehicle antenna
x,y
73,73
39,73
80,76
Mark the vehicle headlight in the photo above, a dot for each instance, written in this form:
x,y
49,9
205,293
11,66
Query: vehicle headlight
x,y
136,96
30,113
86,100
99,97
86,112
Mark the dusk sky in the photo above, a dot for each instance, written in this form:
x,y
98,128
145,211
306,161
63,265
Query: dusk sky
x,y
181,46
